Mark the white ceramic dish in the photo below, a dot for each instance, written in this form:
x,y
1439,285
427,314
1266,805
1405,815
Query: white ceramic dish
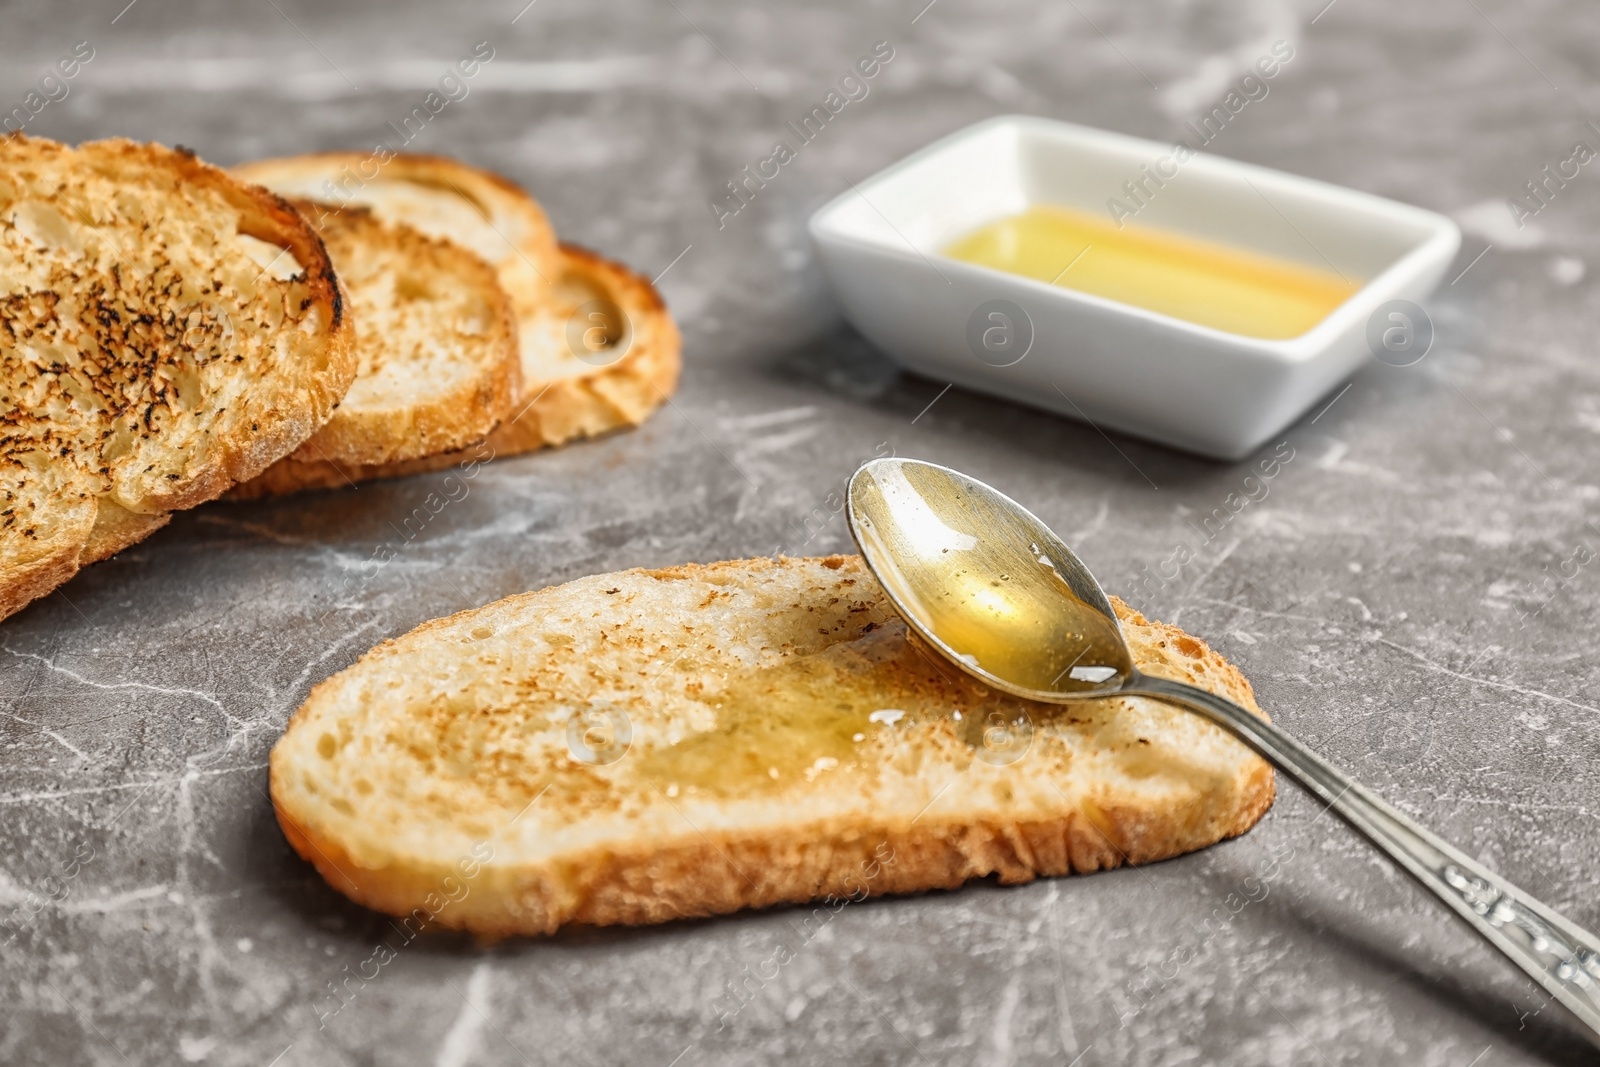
x,y
1193,387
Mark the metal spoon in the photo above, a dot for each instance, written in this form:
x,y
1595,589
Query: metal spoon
x,y
986,584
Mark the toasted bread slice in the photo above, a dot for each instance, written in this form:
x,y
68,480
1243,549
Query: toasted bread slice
x,y
436,345
444,198
165,331
632,348
649,745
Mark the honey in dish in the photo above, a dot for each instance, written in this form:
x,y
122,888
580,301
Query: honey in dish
x,y
1199,281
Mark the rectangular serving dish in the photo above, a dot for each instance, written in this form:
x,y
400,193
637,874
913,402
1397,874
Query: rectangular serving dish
x,y
1189,386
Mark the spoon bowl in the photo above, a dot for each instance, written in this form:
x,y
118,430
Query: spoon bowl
x,y
985,584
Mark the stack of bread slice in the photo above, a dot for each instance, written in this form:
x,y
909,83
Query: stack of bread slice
x,y
170,332
596,348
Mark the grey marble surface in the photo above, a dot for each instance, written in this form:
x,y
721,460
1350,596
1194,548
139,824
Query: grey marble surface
x,y
1389,598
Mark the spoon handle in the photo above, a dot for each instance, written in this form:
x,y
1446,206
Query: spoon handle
x,y
1557,953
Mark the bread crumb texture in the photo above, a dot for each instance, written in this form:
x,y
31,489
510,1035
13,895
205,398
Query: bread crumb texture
x,y
656,744
165,331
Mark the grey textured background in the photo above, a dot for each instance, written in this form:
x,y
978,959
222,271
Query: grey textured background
x,y
1385,599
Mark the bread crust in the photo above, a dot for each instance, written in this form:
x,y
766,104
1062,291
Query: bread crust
x,y
101,302
826,847
547,413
